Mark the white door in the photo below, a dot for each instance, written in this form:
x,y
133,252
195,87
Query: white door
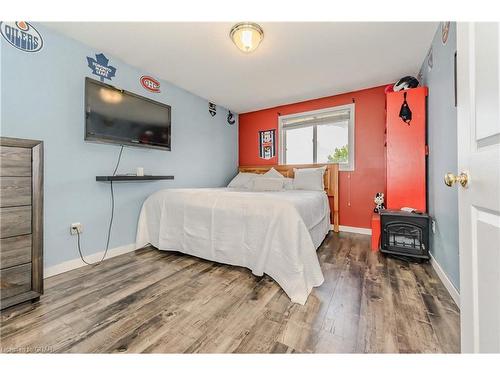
x,y
478,81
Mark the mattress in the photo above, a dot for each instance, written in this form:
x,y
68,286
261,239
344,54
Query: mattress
x,y
276,233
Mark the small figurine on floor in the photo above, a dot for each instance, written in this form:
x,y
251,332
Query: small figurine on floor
x,y
379,202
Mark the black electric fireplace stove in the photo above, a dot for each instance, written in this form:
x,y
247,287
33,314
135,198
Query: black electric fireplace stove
x,y
405,233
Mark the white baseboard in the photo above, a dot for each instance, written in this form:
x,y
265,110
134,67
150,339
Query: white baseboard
x,y
345,228
77,262
446,281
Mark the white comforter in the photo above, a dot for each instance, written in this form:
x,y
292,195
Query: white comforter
x,y
267,232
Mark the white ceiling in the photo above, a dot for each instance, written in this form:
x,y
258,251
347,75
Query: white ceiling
x,y
295,62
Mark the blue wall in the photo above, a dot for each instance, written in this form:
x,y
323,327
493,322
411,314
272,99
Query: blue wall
x,y
43,98
442,140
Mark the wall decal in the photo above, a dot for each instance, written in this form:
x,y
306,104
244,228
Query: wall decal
x,y
267,144
230,118
420,76
445,31
22,35
100,67
212,108
150,84
430,60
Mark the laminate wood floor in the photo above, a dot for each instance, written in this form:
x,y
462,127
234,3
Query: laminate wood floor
x,y
164,302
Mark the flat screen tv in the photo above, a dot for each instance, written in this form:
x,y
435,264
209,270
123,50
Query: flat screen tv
x,y
118,116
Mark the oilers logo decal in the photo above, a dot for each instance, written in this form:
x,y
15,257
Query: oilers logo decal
x,y
100,67
22,35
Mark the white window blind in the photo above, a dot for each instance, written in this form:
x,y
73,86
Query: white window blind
x,y
319,119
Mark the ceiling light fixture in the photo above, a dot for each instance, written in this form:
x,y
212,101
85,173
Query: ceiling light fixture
x,y
246,36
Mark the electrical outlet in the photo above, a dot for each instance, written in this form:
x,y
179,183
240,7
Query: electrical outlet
x,y
76,228
433,226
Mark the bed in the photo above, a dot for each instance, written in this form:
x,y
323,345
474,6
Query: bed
x,y
276,233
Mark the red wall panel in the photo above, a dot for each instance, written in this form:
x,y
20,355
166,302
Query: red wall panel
x,y
406,182
357,188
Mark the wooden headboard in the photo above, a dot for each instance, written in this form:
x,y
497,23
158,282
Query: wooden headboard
x,y
331,182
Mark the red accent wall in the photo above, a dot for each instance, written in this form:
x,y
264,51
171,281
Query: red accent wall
x,y
357,188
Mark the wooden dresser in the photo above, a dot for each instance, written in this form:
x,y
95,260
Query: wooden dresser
x,y
21,220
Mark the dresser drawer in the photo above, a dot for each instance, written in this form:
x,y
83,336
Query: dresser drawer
x,y
15,251
15,280
15,191
15,221
15,161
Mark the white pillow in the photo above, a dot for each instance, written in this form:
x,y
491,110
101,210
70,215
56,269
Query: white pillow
x,y
288,185
309,178
267,184
273,173
242,180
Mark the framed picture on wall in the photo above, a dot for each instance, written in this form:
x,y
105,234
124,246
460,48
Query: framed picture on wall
x,y
267,144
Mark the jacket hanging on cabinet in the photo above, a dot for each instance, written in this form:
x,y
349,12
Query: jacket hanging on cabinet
x,y
405,111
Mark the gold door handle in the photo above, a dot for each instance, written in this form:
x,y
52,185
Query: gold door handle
x,y
462,178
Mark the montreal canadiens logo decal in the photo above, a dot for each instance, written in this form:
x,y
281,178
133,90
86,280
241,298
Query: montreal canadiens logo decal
x,y
22,35
150,84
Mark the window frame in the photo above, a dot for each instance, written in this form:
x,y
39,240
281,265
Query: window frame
x,y
349,166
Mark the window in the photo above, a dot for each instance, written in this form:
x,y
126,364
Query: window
x,y
323,136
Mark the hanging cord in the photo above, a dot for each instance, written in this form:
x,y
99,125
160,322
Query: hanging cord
x,y
110,220
118,161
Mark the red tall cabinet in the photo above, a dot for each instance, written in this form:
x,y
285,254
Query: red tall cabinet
x,y
406,151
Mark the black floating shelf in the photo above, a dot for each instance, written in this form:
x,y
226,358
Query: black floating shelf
x,y
132,178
